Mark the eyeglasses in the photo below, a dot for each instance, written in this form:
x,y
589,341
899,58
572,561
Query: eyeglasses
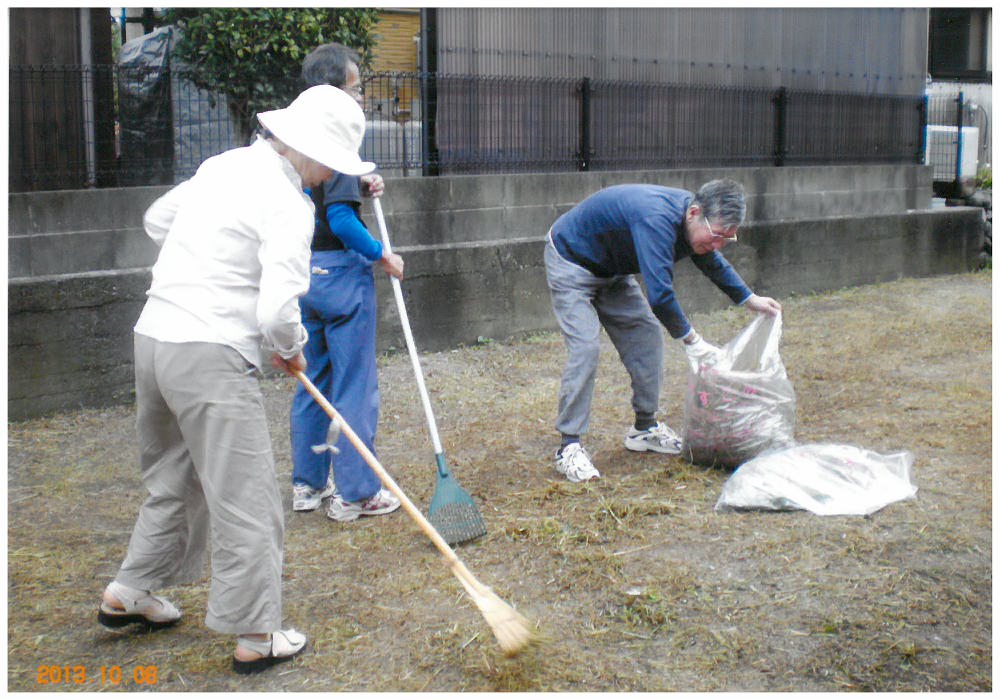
x,y
727,239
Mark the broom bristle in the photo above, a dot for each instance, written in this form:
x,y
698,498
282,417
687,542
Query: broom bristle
x,y
512,629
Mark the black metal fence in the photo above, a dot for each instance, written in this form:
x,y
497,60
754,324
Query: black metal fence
x,y
62,127
75,126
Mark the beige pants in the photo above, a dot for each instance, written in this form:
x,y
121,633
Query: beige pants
x,y
205,456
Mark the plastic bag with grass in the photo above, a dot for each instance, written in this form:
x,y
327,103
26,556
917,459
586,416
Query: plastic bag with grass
x,y
739,402
824,479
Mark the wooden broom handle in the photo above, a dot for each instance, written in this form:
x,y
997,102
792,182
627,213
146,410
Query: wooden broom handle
x,y
384,477
487,602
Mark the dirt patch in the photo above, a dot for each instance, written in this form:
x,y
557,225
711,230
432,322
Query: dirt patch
x,y
635,581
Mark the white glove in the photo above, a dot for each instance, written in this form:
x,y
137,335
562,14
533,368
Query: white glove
x,y
762,305
700,352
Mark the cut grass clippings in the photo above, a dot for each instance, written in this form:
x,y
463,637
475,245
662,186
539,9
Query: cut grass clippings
x,y
635,582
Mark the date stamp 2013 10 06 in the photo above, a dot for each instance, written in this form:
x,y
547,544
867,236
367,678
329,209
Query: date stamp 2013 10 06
x,y
104,675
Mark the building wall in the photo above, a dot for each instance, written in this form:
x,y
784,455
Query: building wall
x,y
880,51
32,31
396,49
396,52
960,46
59,112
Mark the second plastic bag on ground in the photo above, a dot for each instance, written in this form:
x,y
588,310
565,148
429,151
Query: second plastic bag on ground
x,y
822,478
741,402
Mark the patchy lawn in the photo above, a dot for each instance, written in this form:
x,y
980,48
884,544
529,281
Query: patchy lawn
x,y
635,581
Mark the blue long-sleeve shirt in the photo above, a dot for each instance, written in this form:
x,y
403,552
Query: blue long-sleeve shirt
x,y
629,229
341,200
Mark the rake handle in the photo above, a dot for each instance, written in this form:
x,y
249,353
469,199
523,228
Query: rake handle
x,y
411,346
383,475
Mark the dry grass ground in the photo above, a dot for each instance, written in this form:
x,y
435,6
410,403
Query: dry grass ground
x,y
637,584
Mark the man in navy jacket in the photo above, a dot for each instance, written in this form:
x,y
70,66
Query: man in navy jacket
x,y
592,253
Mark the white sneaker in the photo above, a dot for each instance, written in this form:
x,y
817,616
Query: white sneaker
x,y
348,511
305,497
659,438
575,464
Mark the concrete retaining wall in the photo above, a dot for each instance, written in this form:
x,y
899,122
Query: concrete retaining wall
x,y
69,340
68,232
473,249
498,289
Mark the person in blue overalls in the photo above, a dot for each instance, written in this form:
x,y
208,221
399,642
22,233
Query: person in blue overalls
x,y
339,313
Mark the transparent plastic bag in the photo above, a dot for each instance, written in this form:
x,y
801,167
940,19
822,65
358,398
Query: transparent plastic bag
x,y
822,478
739,402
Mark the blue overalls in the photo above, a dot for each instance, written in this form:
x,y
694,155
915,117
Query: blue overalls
x,y
339,313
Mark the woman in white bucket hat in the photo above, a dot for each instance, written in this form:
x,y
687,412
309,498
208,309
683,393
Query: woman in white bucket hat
x,y
234,259
333,140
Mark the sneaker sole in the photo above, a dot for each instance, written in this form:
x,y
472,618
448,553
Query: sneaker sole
x,y
308,507
571,480
382,511
638,446
344,518
351,516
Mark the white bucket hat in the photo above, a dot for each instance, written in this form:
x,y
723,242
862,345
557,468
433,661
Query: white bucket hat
x,y
325,124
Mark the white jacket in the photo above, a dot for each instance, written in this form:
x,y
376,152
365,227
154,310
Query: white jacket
x,y
234,256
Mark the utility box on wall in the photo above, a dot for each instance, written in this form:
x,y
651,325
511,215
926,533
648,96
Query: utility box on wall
x,y
943,144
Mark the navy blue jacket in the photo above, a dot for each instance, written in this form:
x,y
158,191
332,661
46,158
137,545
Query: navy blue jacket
x,y
629,229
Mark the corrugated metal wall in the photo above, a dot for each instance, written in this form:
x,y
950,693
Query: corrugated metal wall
x,y
876,51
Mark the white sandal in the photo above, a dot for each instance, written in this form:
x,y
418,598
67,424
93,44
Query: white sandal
x,y
282,646
149,610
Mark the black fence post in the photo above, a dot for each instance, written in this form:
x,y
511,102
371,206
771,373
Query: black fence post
x,y
428,91
922,137
583,154
958,148
780,100
148,20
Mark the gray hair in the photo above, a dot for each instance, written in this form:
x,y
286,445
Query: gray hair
x,y
327,65
723,201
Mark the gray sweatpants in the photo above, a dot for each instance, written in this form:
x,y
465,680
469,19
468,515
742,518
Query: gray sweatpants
x,y
583,303
205,456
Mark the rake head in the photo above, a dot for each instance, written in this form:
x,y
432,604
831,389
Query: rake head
x,y
453,513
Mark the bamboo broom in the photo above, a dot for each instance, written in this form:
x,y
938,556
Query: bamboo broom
x,y
513,631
